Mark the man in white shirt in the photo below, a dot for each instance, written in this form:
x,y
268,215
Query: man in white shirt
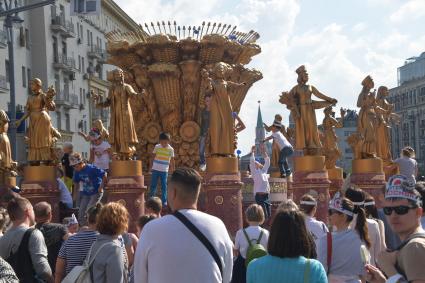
x,y
169,252
261,180
285,147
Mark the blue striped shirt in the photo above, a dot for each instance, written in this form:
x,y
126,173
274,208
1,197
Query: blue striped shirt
x,y
75,249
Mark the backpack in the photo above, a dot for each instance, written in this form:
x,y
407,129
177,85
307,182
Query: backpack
x,y
414,236
81,273
21,260
254,250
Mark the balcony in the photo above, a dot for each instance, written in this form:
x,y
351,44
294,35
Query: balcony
x,y
3,84
98,53
65,28
61,62
63,98
3,39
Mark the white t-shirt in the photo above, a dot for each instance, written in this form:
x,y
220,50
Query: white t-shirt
x,y
168,251
260,176
281,140
162,158
315,227
101,155
253,232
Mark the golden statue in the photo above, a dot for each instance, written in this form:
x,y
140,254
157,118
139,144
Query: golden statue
x,y
299,101
222,132
97,124
7,165
384,120
41,135
329,138
122,133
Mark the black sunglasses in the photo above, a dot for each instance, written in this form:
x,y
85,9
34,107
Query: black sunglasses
x,y
399,210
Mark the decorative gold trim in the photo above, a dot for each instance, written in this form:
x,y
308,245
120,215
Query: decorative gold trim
x,y
219,200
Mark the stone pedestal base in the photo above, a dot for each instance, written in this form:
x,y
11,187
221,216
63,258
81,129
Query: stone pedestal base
x,y
40,184
316,184
223,199
336,178
127,189
369,176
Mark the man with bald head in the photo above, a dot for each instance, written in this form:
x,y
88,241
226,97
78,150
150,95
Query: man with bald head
x,y
54,234
169,252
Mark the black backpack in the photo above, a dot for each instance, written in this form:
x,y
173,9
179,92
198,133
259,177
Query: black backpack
x,y
21,260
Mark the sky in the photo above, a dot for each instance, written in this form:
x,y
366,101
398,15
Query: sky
x,y
339,42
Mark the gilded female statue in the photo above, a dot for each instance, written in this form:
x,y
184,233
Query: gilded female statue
x,y
7,165
41,135
306,133
222,132
330,140
383,128
122,133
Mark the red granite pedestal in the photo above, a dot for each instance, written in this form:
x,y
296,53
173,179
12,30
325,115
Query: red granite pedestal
x,y
40,184
223,199
369,176
311,177
126,186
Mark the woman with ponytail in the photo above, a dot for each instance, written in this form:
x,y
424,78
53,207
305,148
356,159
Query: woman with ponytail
x,y
357,196
339,251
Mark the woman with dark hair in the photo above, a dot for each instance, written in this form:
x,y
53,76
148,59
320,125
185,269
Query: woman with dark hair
x,y
357,196
339,251
372,213
288,248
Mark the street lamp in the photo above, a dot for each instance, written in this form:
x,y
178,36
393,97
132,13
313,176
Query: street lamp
x,y
10,9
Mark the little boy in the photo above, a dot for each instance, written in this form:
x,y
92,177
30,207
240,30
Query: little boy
x,y
285,148
162,163
153,206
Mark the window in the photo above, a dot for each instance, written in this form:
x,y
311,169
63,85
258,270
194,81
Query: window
x,y
27,39
78,30
79,63
85,126
83,65
88,37
6,65
58,120
67,122
81,95
81,33
29,76
84,96
24,77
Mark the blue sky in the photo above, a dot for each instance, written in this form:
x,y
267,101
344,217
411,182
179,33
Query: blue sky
x,y
339,41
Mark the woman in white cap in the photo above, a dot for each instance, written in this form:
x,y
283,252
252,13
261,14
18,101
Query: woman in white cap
x,y
340,251
317,228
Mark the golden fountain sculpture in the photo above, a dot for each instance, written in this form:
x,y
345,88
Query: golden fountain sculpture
x,y
299,101
7,165
174,67
371,142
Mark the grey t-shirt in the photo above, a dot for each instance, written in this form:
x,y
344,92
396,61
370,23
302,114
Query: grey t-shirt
x,y
346,259
10,242
407,167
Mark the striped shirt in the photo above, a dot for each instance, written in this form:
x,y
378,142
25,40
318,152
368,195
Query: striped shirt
x,y
162,159
75,249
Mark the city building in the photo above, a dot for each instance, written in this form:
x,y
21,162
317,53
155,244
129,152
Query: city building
x,y
349,127
68,53
409,102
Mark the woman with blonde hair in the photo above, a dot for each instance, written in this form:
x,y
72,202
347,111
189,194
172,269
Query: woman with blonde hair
x,y
407,164
247,236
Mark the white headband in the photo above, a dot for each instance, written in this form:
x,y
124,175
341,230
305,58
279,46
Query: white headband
x,y
369,203
308,202
358,203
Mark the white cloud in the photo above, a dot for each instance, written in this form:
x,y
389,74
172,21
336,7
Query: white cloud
x,y
412,9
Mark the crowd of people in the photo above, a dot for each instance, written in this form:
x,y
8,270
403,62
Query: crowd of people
x,y
359,243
